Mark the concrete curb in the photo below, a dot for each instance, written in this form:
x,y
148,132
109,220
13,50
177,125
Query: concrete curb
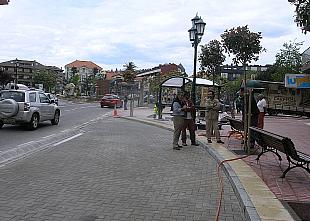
x,y
250,213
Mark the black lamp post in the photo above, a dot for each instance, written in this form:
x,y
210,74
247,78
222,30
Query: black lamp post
x,y
195,35
16,73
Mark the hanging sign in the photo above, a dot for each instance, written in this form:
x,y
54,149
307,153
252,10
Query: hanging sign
x,y
297,80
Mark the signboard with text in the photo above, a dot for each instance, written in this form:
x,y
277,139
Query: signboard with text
x,y
297,80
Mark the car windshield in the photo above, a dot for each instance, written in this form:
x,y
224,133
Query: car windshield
x,y
18,96
109,97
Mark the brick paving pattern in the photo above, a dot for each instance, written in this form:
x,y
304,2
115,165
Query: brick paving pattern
x,y
295,187
117,170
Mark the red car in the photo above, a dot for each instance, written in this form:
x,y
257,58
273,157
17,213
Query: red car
x,y
110,100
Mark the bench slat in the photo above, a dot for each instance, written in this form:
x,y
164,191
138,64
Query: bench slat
x,y
304,156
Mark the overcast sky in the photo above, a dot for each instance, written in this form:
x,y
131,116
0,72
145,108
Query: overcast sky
x,y
114,32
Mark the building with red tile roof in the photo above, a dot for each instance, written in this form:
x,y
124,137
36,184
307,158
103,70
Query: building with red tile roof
x,y
83,64
86,70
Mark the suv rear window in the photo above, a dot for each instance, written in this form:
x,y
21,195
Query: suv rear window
x,y
18,96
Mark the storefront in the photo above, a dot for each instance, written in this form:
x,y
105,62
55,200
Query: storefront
x,y
299,85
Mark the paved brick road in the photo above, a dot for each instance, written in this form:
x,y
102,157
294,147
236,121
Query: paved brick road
x,y
117,170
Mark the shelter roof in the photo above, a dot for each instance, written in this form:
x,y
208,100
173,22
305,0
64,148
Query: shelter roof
x,y
178,82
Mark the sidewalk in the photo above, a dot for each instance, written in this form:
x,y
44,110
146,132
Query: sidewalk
x,y
117,170
260,182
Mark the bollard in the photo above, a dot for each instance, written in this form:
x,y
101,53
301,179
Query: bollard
x,y
115,111
131,107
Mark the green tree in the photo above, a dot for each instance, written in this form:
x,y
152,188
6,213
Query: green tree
x,y
47,78
5,77
302,17
242,43
288,61
75,79
289,56
267,75
245,46
74,70
212,57
129,72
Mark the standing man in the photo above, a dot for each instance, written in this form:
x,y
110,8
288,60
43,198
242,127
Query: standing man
x,y
125,102
212,115
189,120
177,108
262,107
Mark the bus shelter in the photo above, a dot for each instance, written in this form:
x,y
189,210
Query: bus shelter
x,y
181,82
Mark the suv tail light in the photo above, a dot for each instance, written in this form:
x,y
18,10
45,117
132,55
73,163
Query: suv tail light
x,y
26,106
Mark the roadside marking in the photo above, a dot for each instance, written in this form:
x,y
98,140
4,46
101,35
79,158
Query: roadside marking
x,y
77,108
65,140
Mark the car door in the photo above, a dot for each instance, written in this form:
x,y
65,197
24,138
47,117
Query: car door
x,y
45,107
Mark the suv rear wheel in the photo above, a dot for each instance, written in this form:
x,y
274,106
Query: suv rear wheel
x,y
55,121
33,124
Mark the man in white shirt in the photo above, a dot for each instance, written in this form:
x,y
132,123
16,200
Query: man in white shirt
x,y
262,107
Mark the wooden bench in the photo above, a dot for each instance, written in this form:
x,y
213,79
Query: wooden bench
x,y
236,127
271,142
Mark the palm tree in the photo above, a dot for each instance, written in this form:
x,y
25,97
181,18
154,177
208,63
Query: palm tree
x,y
130,72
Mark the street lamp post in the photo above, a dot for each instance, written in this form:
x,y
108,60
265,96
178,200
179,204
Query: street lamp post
x,y
16,73
195,35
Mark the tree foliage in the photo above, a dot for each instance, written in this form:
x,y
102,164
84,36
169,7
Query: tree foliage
x,y
288,61
5,77
268,75
302,17
74,70
243,43
212,55
289,56
47,78
75,79
129,72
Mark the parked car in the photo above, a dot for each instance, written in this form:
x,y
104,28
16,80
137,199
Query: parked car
x,y
27,107
52,97
152,98
110,100
16,86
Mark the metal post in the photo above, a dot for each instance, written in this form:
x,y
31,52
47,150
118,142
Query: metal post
x,y
16,74
213,79
159,108
131,102
245,114
194,74
249,121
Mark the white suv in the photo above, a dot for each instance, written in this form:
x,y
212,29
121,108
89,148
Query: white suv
x,y
27,107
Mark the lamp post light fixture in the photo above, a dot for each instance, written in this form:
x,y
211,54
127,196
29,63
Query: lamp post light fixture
x,y
195,35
